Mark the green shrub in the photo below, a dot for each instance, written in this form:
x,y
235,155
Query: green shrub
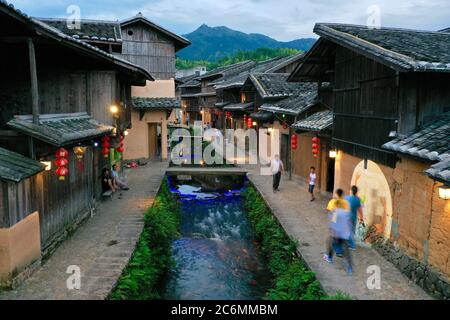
x,y
292,279
153,255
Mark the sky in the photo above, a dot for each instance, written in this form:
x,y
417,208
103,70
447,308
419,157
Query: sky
x,y
283,20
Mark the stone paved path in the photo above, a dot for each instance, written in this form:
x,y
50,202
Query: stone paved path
x,y
101,247
307,222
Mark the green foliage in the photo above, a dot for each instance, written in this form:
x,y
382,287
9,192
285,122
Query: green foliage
x,y
292,279
260,54
153,255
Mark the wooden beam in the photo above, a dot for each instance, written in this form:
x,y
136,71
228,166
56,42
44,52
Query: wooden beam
x,y
34,82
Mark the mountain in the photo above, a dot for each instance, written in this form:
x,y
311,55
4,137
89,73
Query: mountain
x,y
214,43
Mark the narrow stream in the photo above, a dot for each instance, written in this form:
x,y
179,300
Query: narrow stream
x,y
216,257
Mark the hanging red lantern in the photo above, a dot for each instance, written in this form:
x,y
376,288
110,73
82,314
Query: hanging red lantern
x,y
105,146
249,122
245,118
61,162
285,125
105,152
120,149
61,153
315,146
294,142
62,172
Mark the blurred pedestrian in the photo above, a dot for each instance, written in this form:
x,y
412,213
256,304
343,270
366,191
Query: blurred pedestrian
x,y
312,182
340,229
277,169
356,213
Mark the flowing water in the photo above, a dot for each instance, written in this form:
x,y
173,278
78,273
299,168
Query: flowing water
x,y
216,256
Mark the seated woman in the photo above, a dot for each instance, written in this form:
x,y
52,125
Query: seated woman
x,y
118,181
107,181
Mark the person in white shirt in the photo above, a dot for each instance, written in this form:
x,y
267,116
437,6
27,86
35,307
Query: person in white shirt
x,y
312,182
277,168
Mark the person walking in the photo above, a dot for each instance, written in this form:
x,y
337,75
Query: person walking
x,y
312,182
356,213
277,169
340,229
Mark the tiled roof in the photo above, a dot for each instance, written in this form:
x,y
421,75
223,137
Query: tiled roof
x,y
286,61
238,106
440,171
180,42
445,30
274,85
403,49
50,32
15,167
296,104
319,121
227,71
156,103
61,129
431,142
239,79
90,30
193,83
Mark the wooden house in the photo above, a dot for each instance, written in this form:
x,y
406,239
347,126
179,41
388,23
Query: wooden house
x,y
56,92
152,47
391,94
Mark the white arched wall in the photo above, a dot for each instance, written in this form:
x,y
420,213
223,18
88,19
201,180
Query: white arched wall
x,y
376,196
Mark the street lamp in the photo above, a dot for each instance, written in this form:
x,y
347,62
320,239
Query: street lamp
x,y
114,109
444,192
333,153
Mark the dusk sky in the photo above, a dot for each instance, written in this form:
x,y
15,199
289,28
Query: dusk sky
x,y
282,19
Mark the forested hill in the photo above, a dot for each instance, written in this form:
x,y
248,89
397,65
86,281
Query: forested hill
x,y
215,43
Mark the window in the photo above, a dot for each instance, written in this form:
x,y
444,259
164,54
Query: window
x,y
130,32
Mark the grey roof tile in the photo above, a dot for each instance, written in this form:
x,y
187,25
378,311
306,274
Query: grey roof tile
x,y
61,129
274,85
15,167
300,102
408,50
156,103
93,30
318,121
238,106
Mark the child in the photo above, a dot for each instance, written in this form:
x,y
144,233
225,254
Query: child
x,y
312,182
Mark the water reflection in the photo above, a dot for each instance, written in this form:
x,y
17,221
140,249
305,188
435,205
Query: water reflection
x,y
216,258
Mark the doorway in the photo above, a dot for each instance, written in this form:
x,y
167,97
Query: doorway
x,y
284,150
330,175
152,140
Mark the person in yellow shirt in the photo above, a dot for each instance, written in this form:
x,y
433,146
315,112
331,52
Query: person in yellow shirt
x,y
340,229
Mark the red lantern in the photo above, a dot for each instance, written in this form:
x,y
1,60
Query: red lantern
x,y
61,153
249,122
315,140
62,172
315,146
106,145
294,142
285,125
245,118
62,162
120,149
105,152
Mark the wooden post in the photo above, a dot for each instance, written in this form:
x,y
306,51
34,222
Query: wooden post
x,y
34,82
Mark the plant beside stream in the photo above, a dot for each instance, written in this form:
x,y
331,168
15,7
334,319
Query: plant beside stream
x,y
292,278
153,255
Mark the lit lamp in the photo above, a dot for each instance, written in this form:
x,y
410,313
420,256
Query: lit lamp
x,y
333,153
47,165
114,109
126,132
254,123
444,192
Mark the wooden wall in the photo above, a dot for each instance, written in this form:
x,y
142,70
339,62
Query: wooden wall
x,y
150,49
59,203
365,107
